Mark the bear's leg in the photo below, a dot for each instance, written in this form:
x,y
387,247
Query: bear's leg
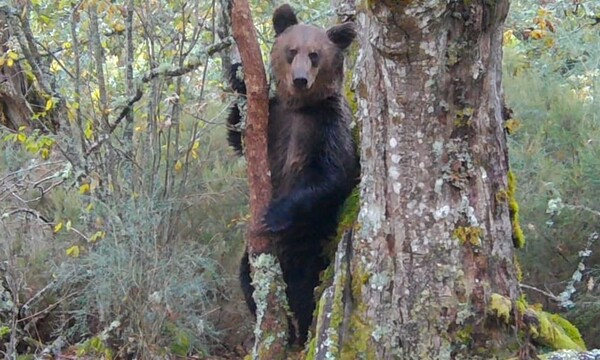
x,y
246,283
301,277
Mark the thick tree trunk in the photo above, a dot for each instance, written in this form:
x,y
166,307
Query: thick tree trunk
x,y
434,247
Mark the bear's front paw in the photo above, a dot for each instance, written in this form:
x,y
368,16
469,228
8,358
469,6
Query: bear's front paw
x,y
278,217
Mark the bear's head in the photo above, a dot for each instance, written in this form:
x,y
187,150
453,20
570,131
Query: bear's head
x,y
308,61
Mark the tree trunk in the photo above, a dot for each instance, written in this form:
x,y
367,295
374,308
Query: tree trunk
x,y
267,278
430,270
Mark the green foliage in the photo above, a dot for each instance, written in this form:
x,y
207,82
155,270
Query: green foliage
x,y
552,82
152,288
127,220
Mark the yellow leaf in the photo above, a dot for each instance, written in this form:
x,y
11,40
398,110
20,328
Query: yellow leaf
x,y
118,27
66,45
10,62
538,34
196,145
73,251
57,227
84,189
178,166
543,12
45,153
21,137
68,225
54,66
13,55
49,104
96,95
89,130
179,25
97,236
509,39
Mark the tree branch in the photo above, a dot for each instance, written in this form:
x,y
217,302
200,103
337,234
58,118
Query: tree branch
x,y
159,71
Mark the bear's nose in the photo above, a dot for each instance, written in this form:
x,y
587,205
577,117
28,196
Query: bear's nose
x,y
300,82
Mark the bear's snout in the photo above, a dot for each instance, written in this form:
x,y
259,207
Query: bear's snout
x,y
300,82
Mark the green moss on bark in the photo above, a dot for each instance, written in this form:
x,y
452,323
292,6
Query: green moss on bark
x,y
468,235
551,330
518,236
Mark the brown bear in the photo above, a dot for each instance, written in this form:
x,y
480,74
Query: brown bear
x,y
312,155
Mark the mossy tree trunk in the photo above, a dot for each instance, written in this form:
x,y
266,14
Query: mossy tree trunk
x,y
429,273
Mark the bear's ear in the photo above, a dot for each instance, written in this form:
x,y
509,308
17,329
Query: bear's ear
x,y
283,18
342,35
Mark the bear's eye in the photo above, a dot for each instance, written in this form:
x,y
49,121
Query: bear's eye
x,y
314,58
291,53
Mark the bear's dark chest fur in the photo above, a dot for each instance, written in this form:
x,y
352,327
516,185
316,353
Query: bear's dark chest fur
x,y
297,138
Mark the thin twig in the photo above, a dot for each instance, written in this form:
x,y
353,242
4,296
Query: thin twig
x,y
548,294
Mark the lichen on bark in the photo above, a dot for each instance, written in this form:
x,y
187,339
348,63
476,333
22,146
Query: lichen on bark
x,y
267,280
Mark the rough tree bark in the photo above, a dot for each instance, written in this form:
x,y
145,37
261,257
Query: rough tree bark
x,y
271,331
433,253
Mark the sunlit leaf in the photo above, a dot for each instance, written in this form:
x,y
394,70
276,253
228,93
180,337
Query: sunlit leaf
x,y
10,62
89,130
97,236
118,27
54,66
96,94
11,137
68,225
73,251
179,25
537,34
509,39
13,55
45,153
45,19
49,104
84,189
178,166
58,227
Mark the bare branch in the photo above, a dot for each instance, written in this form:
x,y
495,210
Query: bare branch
x,y
548,294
